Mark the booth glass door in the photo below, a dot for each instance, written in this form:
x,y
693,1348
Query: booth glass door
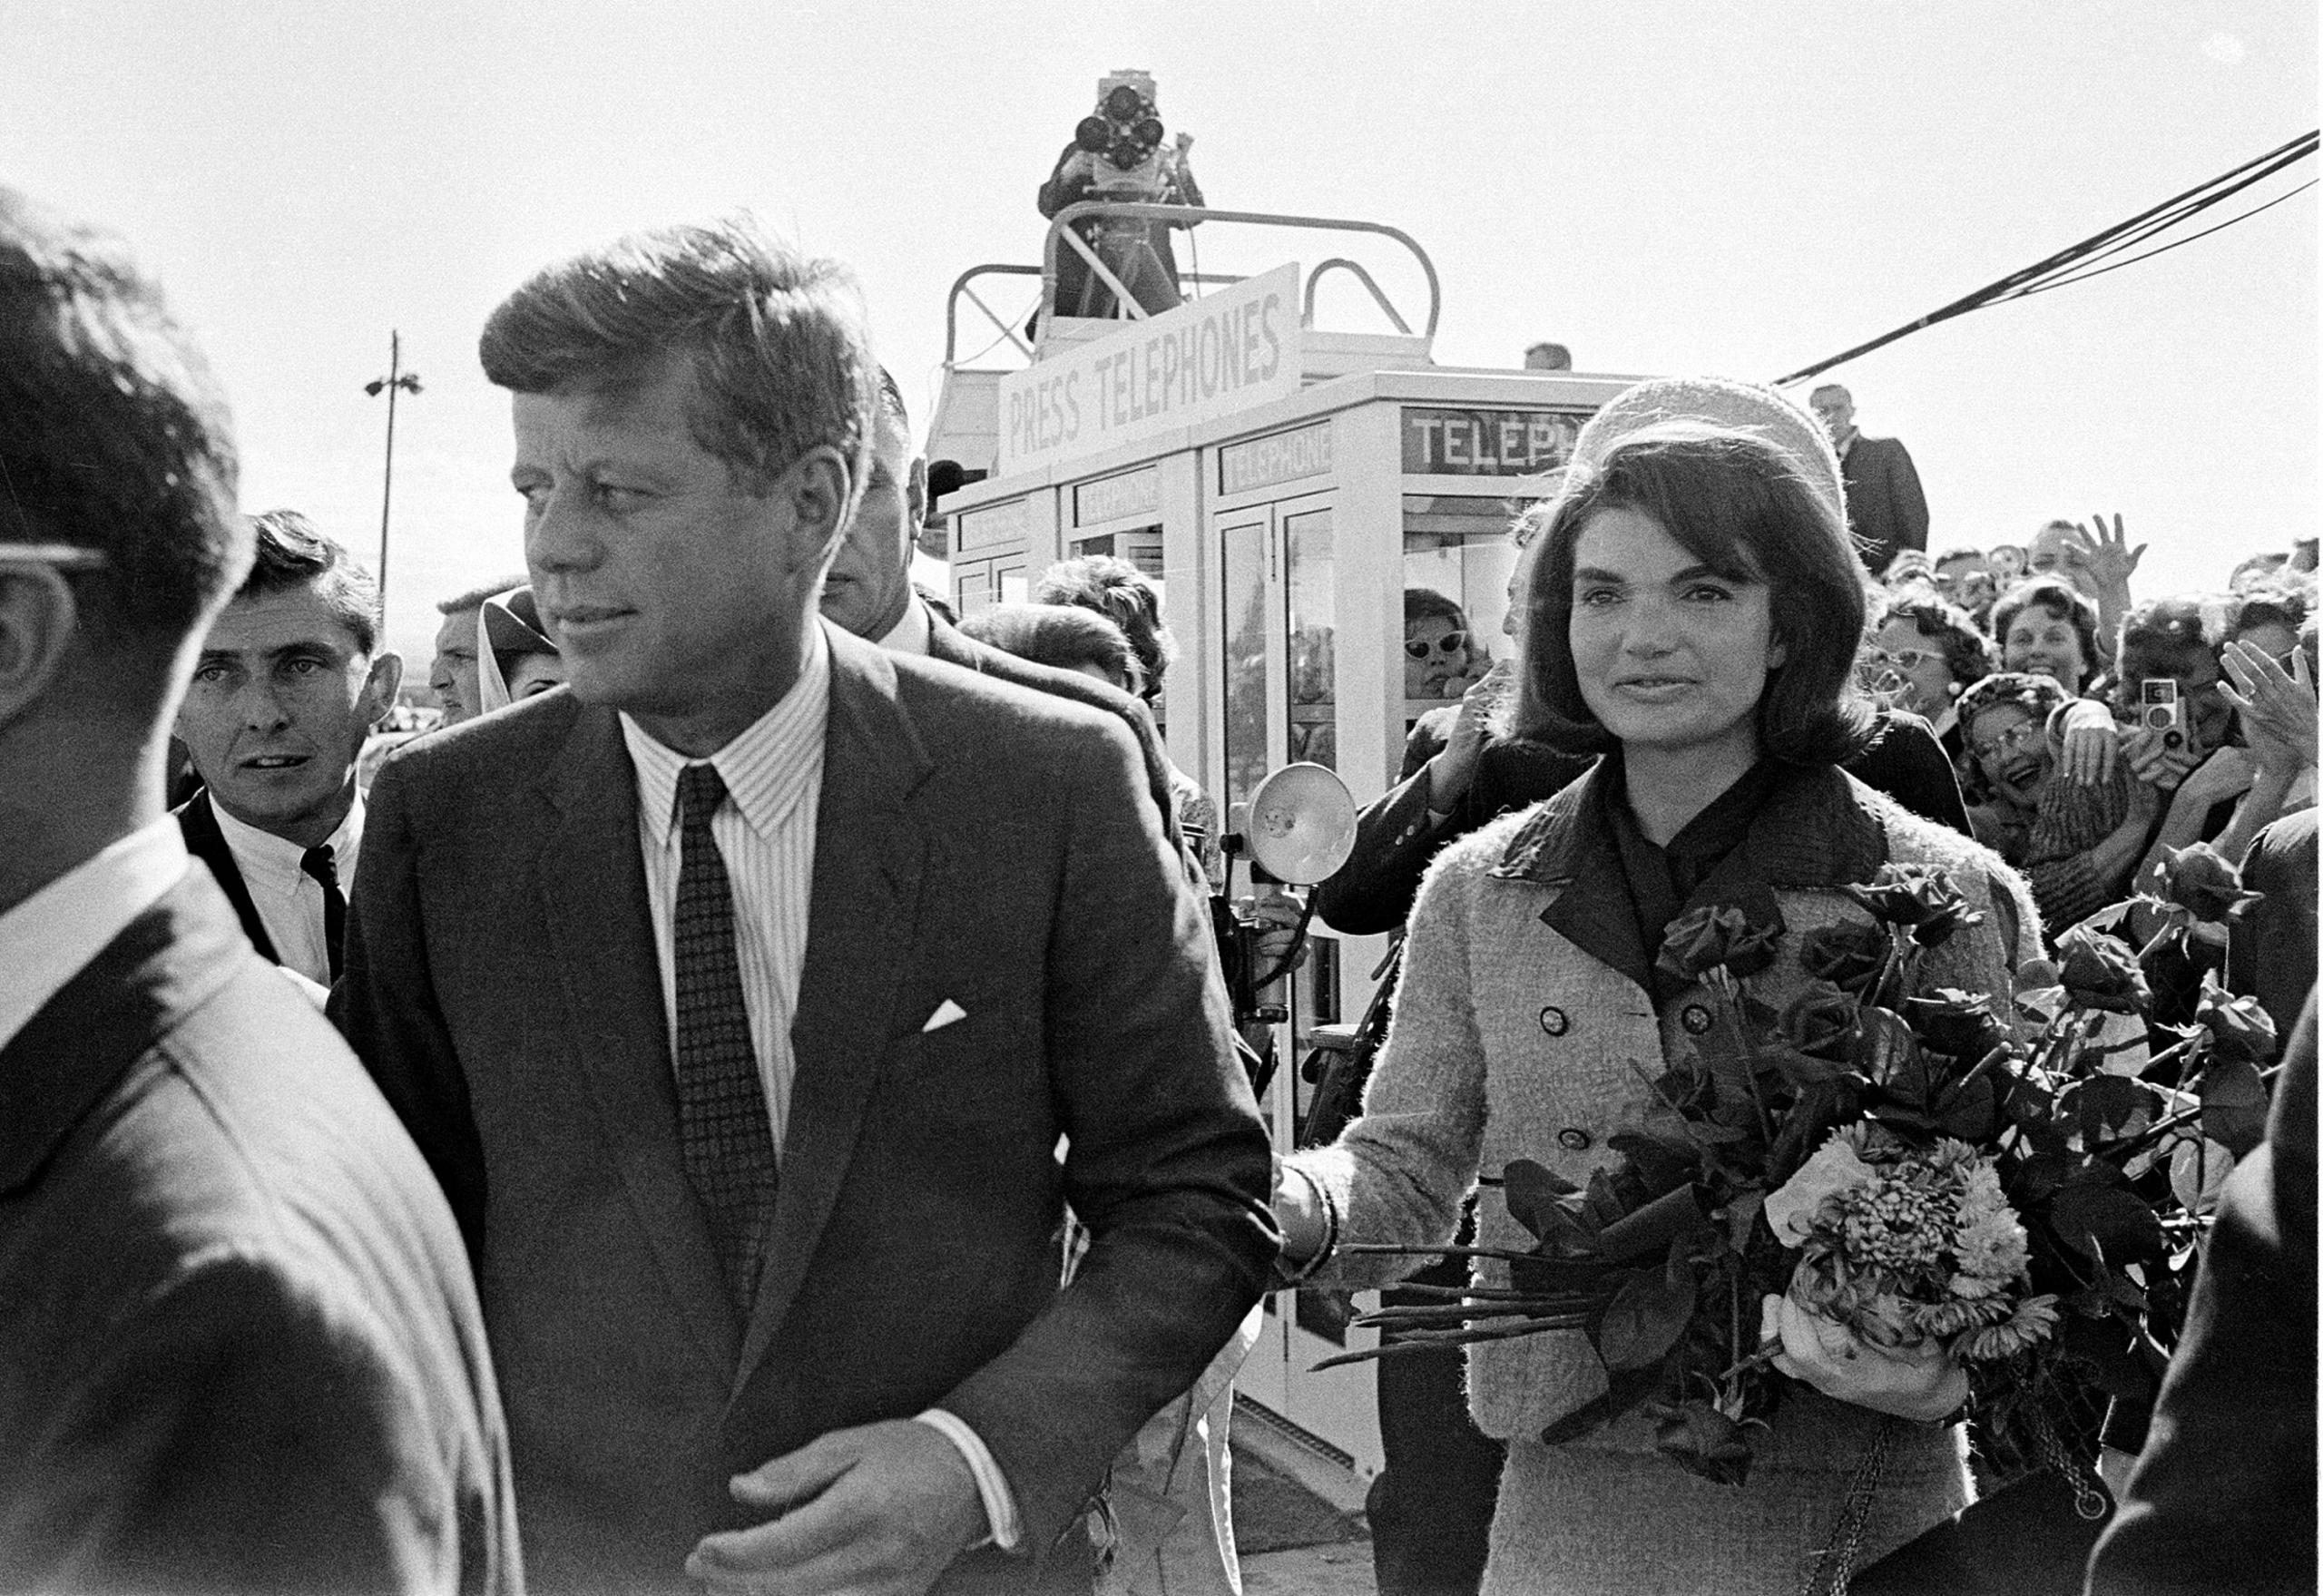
x,y
1278,631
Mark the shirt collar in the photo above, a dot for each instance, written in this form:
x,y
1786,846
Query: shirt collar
x,y
910,634
1810,828
272,862
45,940
767,766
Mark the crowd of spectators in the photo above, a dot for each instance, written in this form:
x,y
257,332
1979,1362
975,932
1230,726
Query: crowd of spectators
x,y
2096,732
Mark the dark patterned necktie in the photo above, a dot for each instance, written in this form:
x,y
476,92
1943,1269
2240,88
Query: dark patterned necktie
x,y
323,865
727,1144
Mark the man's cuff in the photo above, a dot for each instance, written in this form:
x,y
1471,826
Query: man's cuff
x,y
999,1505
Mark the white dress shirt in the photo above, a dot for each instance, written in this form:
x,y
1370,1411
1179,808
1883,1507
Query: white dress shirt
x,y
52,936
289,901
764,833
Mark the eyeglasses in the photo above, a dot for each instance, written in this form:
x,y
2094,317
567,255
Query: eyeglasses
x,y
56,556
1449,644
2009,743
1905,659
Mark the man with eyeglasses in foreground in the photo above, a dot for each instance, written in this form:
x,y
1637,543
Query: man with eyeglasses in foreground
x,y
239,1346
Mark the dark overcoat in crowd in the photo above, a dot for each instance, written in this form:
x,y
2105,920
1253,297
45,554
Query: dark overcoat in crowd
x,y
1886,511
239,1349
979,848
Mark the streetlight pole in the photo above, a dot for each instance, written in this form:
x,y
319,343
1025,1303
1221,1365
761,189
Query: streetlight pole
x,y
396,380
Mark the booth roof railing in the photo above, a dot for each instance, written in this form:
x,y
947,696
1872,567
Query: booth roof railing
x,y
1061,227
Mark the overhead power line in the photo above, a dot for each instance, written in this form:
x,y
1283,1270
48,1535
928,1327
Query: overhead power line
x,y
2080,262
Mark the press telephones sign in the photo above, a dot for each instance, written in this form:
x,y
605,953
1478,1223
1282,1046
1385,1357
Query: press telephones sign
x,y
1486,443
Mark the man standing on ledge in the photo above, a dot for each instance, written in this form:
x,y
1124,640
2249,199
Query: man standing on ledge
x,y
739,996
1886,511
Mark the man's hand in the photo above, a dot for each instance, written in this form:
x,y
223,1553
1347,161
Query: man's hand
x,y
881,1510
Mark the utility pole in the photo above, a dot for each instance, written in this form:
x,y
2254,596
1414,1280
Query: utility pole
x,y
397,379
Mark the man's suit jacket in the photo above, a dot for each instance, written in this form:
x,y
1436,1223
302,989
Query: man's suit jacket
x,y
198,823
239,1349
948,643
976,845
1886,511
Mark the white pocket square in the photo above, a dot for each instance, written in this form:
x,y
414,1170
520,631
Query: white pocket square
x,y
947,1013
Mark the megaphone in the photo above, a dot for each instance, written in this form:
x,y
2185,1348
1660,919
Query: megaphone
x,y
1301,825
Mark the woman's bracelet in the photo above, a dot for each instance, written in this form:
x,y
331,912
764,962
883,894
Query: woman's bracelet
x,y
1290,1274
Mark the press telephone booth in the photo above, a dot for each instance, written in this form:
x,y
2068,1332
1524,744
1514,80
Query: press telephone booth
x,y
1297,492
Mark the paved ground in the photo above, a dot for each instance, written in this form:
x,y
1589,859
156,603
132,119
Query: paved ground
x,y
1298,1521
1340,1570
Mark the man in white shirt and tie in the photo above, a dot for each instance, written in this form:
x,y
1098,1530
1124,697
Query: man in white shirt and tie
x,y
288,684
740,993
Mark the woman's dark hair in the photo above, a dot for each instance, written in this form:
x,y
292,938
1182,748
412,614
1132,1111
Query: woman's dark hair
x,y
2268,606
1425,603
1063,637
1743,507
1122,594
2162,634
2064,602
1968,652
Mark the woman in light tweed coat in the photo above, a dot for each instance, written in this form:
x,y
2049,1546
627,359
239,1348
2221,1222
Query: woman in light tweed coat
x,y
1694,614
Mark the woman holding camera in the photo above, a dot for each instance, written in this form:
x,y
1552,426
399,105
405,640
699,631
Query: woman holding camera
x,y
1664,629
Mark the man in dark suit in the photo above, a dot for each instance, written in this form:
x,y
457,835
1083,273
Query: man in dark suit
x,y
741,992
239,1347
868,590
288,684
1886,511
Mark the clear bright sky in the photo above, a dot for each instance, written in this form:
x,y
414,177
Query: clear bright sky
x,y
1732,188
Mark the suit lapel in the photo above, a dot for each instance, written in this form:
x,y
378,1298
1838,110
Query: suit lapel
x,y
70,1054
592,880
205,841
1569,845
869,860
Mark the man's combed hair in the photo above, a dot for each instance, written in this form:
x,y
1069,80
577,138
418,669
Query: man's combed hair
x,y
291,554
113,436
1745,509
776,339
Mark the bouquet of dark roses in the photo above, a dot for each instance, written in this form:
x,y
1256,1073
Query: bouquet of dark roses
x,y
1908,1200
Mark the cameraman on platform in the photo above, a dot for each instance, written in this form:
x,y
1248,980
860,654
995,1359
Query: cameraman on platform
x,y
1118,154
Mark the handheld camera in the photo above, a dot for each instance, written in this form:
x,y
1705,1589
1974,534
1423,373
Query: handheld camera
x,y
2160,711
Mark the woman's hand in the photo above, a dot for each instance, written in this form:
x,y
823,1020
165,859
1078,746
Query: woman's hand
x,y
2160,768
1923,1383
2110,560
1299,1213
2088,741
2276,706
1452,770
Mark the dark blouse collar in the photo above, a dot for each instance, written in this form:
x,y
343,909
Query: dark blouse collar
x,y
1808,827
